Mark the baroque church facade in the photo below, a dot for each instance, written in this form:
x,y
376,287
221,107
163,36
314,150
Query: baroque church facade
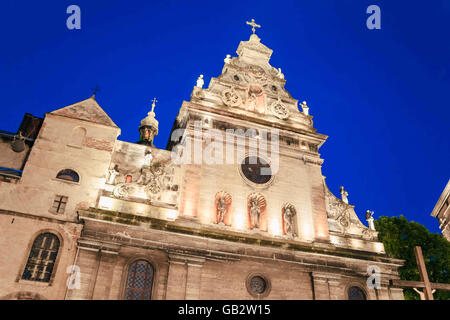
x,y
235,207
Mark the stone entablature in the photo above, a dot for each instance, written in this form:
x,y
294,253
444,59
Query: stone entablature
x,y
148,228
187,250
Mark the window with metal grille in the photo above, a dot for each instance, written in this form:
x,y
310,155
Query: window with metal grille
x,y
59,204
68,175
139,281
41,260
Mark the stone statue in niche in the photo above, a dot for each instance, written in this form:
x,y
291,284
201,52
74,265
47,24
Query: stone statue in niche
x,y
113,174
256,100
288,214
257,213
222,208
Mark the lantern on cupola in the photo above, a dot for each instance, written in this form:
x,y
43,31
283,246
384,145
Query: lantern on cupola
x,y
149,127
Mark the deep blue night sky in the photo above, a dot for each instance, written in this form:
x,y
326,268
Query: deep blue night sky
x,y
380,95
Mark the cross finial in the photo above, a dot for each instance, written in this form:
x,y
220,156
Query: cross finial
x,y
95,90
254,25
154,101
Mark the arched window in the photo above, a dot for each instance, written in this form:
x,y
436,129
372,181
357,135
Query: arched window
x,y
139,281
68,175
356,293
41,260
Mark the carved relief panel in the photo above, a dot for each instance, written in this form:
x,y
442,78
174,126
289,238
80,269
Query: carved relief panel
x,y
343,219
143,174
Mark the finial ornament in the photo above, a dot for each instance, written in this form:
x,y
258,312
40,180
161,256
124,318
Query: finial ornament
x,y
200,81
94,91
254,25
154,101
227,59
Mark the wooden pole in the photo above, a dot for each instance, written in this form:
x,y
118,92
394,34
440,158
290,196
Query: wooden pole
x,y
418,284
423,273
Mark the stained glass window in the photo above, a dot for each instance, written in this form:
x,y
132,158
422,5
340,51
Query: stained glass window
x,y
258,285
41,260
139,281
356,293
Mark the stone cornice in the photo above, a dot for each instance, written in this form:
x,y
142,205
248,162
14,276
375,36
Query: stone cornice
x,y
254,119
444,196
36,217
232,236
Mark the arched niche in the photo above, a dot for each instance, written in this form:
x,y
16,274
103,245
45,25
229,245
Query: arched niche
x,y
257,212
289,220
222,208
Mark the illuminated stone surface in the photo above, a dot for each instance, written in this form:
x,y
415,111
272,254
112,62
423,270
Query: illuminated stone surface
x,y
204,228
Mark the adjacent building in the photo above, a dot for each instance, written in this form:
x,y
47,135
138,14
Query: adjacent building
x,y
441,211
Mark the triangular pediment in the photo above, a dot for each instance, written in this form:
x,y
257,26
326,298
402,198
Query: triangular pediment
x,y
87,110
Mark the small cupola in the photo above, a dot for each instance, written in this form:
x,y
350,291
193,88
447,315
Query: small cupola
x,y
149,127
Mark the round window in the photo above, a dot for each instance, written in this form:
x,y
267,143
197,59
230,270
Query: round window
x,y
258,285
256,169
